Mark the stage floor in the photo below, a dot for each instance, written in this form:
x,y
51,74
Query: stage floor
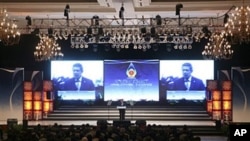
x,y
94,122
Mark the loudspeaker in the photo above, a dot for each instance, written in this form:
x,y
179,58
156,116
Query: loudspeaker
x,y
122,123
25,124
141,122
11,123
218,124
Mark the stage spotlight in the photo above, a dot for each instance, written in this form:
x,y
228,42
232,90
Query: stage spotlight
x,y
207,32
50,32
152,31
100,31
178,9
66,11
226,17
121,12
158,20
89,30
29,22
143,30
95,20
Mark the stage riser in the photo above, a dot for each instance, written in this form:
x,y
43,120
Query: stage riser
x,y
190,113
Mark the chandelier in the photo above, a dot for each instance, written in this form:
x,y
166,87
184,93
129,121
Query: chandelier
x,y
238,25
47,49
9,34
218,47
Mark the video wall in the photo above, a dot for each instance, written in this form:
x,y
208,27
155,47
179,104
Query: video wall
x,y
136,80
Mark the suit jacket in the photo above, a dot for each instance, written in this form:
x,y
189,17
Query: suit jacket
x,y
86,84
195,84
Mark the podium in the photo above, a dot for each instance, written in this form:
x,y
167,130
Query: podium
x,y
122,110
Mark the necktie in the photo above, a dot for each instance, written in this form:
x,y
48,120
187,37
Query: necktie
x,y
187,84
78,84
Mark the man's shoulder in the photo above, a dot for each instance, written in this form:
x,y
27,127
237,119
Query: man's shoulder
x,y
70,80
196,78
86,79
179,79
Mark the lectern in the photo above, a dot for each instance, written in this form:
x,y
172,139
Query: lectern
x,y
122,110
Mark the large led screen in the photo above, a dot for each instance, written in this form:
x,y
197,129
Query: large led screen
x,y
78,80
185,79
134,80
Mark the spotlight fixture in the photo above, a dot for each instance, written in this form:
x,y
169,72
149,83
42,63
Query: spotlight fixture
x,y
100,31
158,20
89,30
66,11
121,12
29,22
178,8
143,30
206,31
153,31
95,20
50,32
226,17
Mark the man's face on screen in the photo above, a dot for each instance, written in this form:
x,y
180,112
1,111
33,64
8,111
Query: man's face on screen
x,y
77,72
186,70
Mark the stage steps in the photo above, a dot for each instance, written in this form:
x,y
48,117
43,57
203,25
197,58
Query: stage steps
x,y
189,113
151,114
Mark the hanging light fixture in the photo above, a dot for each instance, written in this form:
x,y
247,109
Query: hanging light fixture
x,y
238,25
218,47
9,34
47,49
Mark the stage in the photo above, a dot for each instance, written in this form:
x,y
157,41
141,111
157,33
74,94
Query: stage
x,y
94,122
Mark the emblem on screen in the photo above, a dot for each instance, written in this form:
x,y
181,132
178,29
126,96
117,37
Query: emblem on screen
x,y
131,71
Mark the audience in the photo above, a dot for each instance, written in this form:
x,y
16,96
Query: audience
x,y
86,132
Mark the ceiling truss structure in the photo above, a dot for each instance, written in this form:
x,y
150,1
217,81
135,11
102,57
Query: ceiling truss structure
x,y
126,23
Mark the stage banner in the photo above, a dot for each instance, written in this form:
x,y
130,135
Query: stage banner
x,y
11,93
241,94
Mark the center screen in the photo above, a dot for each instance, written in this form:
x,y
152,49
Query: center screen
x,y
131,80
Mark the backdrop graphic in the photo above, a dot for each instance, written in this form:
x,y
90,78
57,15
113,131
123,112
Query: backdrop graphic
x,y
131,80
11,90
241,94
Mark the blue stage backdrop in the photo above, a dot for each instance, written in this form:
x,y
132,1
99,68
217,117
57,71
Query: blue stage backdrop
x,y
11,93
131,80
241,94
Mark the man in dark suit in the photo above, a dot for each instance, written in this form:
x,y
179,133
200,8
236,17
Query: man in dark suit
x,y
78,82
188,82
122,109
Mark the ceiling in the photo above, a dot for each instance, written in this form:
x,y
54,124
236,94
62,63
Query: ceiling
x,y
53,9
